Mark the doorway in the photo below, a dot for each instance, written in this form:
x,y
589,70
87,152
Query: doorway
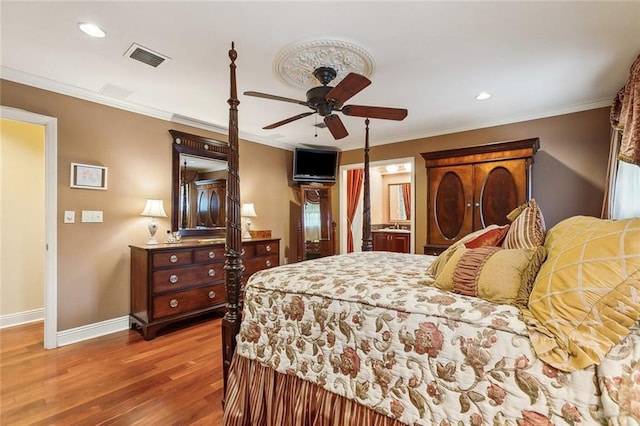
x,y
376,198
51,178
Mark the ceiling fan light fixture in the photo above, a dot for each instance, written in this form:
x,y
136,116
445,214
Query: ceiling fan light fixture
x,y
91,29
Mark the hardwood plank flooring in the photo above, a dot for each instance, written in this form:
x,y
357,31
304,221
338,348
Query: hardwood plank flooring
x,y
118,379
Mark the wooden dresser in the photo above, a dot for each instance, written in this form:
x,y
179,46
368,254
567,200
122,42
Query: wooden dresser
x,y
174,282
471,188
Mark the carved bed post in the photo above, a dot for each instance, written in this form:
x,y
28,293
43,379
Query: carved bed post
x,y
233,264
367,244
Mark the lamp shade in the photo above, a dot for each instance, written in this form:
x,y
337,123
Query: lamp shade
x,y
248,210
154,208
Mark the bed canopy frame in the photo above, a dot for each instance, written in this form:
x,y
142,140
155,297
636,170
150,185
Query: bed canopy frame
x,y
233,249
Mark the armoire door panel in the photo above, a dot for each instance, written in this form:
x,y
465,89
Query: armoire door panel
x,y
500,187
473,187
451,203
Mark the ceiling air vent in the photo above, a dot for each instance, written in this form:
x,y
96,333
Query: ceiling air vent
x,y
145,55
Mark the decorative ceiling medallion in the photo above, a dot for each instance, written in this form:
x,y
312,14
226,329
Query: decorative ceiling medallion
x,y
295,64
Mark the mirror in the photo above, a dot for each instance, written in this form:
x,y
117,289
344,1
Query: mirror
x,y
317,228
199,175
399,202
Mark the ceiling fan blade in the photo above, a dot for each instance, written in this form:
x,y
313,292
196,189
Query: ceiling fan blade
x,y
335,126
348,87
289,120
375,112
275,98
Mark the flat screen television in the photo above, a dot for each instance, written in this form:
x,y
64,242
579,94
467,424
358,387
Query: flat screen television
x,y
314,165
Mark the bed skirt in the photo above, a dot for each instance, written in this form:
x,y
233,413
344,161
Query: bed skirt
x,y
260,396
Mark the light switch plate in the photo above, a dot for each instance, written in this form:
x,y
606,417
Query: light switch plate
x,y
92,216
69,216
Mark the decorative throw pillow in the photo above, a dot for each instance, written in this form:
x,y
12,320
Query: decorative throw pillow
x,y
527,229
492,273
493,237
586,295
437,265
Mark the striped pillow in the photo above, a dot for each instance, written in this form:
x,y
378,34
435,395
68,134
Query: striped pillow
x,y
492,273
527,229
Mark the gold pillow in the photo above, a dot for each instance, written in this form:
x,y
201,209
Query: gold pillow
x,y
492,273
438,265
587,293
527,229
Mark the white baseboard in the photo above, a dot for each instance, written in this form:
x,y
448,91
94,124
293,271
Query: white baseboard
x,y
20,318
73,335
90,331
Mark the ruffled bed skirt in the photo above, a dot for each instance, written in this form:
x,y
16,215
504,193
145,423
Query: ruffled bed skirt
x,y
260,396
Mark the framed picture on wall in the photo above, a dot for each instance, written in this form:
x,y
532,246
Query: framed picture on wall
x,y
87,176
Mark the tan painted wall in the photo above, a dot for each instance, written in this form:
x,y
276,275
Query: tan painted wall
x,y
93,259
22,235
568,173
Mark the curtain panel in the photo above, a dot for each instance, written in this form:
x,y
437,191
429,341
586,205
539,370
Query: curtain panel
x,y
406,198
355,178
625,115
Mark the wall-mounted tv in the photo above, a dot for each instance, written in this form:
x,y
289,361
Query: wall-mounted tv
x,y
314,165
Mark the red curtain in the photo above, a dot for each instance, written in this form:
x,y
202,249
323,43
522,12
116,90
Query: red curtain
x,y
354,187
406,197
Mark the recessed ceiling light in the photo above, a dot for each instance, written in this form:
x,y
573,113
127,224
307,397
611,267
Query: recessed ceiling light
x,y
92,29
483,96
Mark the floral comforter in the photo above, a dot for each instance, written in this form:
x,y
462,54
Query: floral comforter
x,y
369,327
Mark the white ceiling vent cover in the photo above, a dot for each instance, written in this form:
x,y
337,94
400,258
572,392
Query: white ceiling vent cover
x,y
144,55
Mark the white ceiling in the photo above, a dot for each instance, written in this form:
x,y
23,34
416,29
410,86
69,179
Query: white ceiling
x,y
537,59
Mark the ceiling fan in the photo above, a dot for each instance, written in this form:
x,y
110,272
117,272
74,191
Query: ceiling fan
x,y
325,100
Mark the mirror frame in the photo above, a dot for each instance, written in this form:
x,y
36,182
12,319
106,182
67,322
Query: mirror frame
x,y
400,184
185,143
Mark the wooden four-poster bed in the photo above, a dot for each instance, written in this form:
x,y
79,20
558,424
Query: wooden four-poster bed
x,y
375,338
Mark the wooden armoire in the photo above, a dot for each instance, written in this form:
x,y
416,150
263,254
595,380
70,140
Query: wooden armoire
x,y
211,202
471,188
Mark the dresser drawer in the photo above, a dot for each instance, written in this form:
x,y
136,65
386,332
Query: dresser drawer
x,y
172,258
210,254
255,264
181,278
190,300
266,248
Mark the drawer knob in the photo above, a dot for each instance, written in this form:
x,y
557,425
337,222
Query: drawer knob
x,y
211,272
212,294
173,303
268,248
268,263
211,255
173,279
173,258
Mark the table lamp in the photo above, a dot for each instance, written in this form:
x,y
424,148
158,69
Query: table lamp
x,y
247,211
153,209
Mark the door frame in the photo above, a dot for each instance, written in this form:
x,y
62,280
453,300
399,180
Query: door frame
x,y
343,197
50,208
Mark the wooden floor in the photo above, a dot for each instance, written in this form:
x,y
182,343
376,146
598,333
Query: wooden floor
x,y
118,379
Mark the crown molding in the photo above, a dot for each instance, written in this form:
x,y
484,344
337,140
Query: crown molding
x,y
21,77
